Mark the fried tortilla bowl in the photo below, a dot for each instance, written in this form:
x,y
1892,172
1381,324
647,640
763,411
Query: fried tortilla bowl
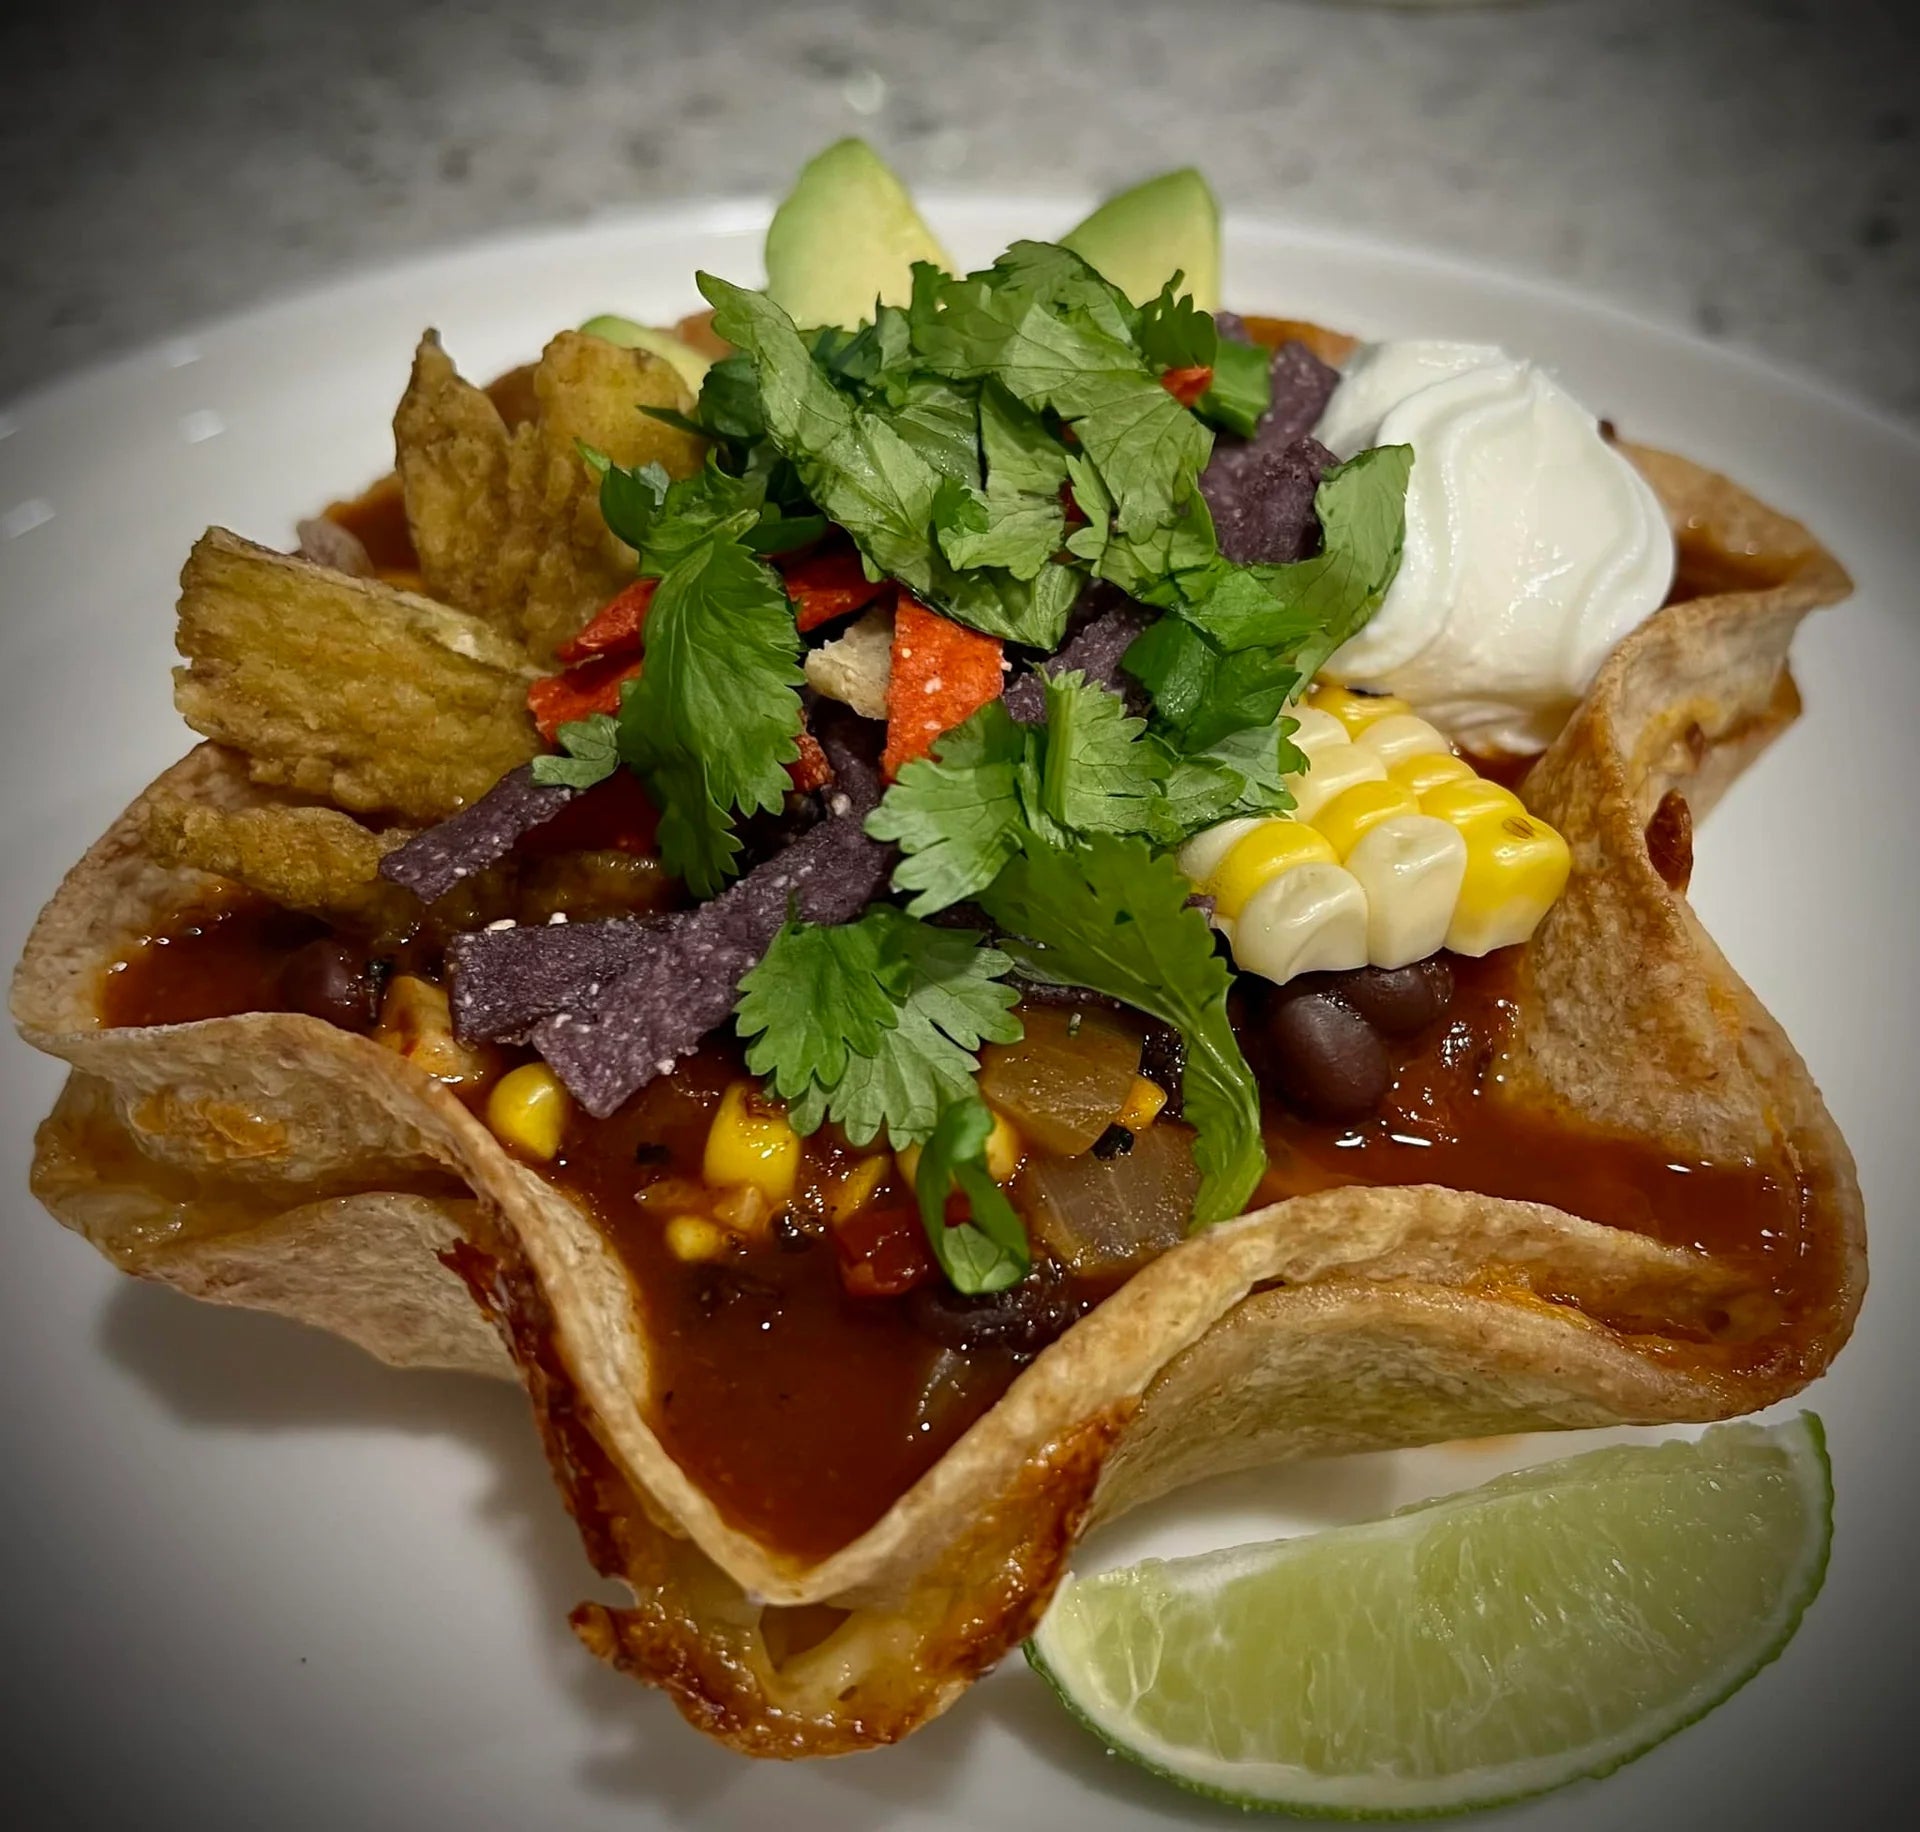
x,y
277,1162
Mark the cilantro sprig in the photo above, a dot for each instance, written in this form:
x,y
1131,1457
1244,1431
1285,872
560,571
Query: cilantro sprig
x,y
961,814
1242,640
714,717
989,1251
1114,917
874,1024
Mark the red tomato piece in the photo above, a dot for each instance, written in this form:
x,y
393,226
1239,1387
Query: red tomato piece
x,y
883,1251
1187,385
612,816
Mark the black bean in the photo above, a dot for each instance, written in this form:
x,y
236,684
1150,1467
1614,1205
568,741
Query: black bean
x,y
1115,1142
1328,1061
1024,1318
326,979
1397,1000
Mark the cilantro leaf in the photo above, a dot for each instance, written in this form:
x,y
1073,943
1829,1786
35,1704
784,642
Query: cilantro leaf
x,y
1243,639
1244,774
956,814
1094,774
714,717
937,420
1113,917
1242,388
1021,523
874,1023
628,498
867,476
989,1252
960,814
589,753
1173,332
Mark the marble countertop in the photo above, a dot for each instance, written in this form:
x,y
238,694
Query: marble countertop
x,y
1745,169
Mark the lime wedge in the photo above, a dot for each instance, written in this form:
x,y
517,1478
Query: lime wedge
x,y
1550,1625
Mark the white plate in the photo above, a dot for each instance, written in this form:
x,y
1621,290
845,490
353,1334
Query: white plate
x,y
251,1577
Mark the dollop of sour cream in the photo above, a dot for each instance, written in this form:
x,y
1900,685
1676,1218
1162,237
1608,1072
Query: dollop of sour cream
x,y
1532,546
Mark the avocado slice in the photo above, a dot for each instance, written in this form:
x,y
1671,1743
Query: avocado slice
x,y
684,357
846,235
1141,238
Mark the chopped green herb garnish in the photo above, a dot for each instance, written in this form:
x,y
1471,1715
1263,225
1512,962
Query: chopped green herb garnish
x,y
874,1023
1114,917
989,1252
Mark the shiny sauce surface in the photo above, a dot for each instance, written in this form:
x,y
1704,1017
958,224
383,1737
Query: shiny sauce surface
x,y
806,1411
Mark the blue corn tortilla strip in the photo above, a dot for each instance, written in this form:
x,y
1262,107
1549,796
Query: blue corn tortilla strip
x,y
686,980
1253,486
1265,515
432,863
1095,649
505,980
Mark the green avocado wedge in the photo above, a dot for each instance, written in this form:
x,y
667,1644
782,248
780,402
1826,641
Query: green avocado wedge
x,y
684,357
1142,238
847,234
1546,1627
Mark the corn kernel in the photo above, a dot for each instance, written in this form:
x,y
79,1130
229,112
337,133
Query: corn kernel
x,y
1005,1149
1517,867
694,1237
416,1023
1315,730
1429,771
1356,711
1144,1101
1467,799
1401,735
528,1110
856,1189
1345,820
1200,857
1310,919
1331,769
1411,868
1271,848
750,1142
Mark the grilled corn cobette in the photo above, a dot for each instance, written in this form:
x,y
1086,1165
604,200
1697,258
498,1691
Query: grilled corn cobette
x,y
1396,848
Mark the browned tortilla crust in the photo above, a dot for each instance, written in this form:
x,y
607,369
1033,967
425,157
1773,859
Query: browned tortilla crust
x,y
270,1160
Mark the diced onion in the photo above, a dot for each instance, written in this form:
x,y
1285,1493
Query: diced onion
x,y
1112,1215
1064,1083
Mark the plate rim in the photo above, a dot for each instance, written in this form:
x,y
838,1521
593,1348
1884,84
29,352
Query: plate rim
x,y
733,212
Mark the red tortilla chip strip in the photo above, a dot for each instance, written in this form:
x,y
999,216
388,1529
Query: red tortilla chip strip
x,y
942,674
615,629
829,583
594,686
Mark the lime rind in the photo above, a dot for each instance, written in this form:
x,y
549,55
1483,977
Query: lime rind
x,y
1299,1792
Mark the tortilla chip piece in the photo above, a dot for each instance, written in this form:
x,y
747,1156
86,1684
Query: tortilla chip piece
x,y
1351,1319
317,860
345,690
508,524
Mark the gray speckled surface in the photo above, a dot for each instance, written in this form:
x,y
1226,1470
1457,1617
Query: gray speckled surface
x,y
1745,169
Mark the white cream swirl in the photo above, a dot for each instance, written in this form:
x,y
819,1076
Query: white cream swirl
x,y
1532,545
